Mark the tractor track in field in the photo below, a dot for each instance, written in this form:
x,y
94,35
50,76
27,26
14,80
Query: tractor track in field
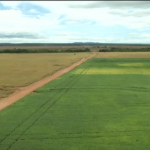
x,y
56,96
5,102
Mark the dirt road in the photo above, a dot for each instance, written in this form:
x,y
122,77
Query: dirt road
x,y
4,102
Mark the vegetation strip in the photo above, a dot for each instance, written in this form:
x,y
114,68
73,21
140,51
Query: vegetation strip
x,y
44,50
116,49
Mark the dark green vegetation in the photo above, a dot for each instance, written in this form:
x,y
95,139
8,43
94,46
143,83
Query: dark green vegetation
x,y
84,110
116,49
44,50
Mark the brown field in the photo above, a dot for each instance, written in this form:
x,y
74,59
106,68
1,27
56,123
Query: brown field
x,y
19,70
123,55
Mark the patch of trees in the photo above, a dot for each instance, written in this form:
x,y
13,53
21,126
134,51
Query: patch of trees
x,y
115,49
44,50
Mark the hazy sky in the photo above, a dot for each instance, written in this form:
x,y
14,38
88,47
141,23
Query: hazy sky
x,y
75,21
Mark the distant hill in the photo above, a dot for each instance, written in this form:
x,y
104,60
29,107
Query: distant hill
x,y
73,44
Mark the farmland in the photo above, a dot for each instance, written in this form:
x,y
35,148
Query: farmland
x,y
102,104
123,55
19,70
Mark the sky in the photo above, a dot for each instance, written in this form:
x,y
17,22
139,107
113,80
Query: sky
x,y
75,21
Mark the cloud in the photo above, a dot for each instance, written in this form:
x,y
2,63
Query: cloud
x,y
32,10
66,34
61,17
3,7
145,35
135,37
21,35
96,21
13,20
113,4
77,21
137,13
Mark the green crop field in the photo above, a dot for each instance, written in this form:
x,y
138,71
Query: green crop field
x,y
103,104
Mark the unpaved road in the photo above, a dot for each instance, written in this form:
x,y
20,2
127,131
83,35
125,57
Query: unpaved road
x,y
4,102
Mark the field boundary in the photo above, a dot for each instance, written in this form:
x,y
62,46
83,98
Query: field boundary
x,y
5,102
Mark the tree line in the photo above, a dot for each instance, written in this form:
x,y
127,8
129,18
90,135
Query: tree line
x,y
43,50
115,49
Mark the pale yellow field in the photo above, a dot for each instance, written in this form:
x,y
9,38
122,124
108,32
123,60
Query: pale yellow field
x,y
115,71
123,70
130,64
123,55
19,70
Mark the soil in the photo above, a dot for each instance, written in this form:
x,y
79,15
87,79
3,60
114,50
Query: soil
x,y
5,102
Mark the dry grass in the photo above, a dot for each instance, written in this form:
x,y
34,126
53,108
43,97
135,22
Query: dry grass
x,y
123,55
19,70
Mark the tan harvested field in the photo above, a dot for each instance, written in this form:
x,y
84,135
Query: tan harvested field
x,y
19,70
123,55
